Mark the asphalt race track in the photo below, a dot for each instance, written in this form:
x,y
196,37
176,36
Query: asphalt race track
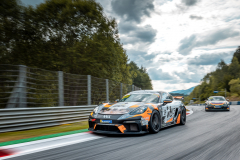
x,y
206,135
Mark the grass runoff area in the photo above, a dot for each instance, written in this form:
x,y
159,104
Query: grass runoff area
x,y
15,137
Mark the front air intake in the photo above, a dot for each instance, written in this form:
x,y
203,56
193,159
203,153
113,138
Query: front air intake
x,y
133,127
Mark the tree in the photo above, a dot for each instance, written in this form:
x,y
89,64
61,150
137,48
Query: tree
x,y
140,76
235,86
234,68
71,36
237,54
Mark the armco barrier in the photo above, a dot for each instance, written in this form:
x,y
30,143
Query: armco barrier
x,y
234,103
14,119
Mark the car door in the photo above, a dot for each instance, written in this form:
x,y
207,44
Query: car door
x,y
166,108
171,108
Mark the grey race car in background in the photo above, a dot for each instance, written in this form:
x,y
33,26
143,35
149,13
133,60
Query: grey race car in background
x,y
217,103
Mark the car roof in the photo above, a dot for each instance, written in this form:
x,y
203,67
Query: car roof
x,y
146,91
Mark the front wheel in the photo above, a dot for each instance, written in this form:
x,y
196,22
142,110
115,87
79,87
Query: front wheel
x,y
155,122
183,117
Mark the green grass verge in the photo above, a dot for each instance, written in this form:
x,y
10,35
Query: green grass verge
x,y
10,138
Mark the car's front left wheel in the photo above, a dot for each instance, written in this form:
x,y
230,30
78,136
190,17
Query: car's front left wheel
x,y
155,122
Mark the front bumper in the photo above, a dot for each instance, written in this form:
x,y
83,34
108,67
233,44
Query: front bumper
x,y
130,126
219,108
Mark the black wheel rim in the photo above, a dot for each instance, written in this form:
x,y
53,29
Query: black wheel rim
x,y
155,122
184,116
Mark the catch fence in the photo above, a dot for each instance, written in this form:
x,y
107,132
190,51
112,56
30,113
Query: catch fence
x,y
22,86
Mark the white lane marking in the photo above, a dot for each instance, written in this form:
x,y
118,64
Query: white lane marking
x,y
46,144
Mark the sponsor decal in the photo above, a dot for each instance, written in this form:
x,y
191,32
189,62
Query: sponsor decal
x,y
105,121
106,116
144,121
125,97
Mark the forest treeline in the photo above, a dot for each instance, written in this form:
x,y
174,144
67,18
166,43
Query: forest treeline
x,y
226,76
74,36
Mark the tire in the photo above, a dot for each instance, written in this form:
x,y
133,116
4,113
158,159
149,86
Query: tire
x,y
183,117
155,122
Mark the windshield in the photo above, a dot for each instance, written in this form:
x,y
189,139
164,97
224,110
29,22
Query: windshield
x,y
154,98
216,99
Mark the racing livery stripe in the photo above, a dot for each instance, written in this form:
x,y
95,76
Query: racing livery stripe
x,y
217,103
146,115
134,106
170,120
178,119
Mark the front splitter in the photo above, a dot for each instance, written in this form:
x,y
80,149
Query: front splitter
x,y
113,132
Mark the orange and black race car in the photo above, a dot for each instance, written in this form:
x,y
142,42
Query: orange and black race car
x,y
138,112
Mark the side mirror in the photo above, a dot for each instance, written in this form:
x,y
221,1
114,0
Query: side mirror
x,y
227,99
205,100
167,101
117,100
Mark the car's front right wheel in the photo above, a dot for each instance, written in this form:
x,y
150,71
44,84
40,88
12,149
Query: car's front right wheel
x,y
155,122
183,117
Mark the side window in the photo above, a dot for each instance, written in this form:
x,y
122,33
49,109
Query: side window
x,y
170,97
164,96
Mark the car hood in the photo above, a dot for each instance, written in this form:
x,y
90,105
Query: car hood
x,y
217,102
120,108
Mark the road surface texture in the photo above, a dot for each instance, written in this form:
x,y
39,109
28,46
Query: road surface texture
x,y
206,135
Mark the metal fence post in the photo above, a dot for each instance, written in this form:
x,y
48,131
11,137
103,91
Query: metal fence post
x,y
89,89
60,89
121,88
22,86
132,87
107,90
18,95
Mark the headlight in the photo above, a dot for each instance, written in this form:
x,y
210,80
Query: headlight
x,y
95,110
138,110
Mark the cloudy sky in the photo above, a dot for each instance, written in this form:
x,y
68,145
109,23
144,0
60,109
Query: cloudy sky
x,y
178,41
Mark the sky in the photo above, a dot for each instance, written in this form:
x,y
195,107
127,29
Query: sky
x,y
177,41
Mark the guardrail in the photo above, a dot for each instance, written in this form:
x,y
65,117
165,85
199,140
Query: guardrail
x,y
234,103
15,119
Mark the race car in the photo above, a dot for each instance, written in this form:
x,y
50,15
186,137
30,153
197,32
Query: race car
x,y
138,112
217,103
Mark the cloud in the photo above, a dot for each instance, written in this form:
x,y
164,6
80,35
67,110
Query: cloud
x,y
133,10
187,44
149,56
210,58
133,34
195,17
198,40
193,74
158,74
141,58
189,2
